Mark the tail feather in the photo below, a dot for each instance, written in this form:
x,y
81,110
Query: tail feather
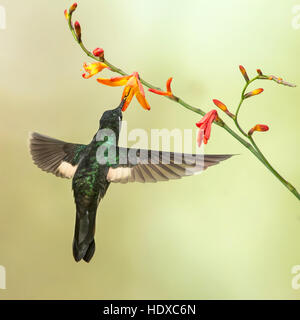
x,y
84,243
90,252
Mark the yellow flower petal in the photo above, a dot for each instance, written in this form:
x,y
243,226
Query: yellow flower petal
x,y
93,69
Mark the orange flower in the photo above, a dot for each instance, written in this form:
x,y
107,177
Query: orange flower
x,y
258,127
133,87
205,126
164,93
93,68
253,93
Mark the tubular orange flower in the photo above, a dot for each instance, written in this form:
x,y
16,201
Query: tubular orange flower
x,y
164,93
258,127
204,126
98,52
93,68
253,93
133,87
244,73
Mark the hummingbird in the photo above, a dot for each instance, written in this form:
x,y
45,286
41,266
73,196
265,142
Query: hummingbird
x,y
92,171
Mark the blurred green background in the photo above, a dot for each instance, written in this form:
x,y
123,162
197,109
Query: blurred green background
x,y
231,233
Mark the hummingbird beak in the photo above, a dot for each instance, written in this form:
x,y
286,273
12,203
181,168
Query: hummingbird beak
x,y
122,104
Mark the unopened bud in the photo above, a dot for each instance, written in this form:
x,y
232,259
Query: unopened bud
x,y
77,30
220,104
244,73
66,14
98,52
259,72
258,127
73,8
253,93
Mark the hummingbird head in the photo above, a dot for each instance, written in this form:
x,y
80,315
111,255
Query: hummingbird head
x,y
111,118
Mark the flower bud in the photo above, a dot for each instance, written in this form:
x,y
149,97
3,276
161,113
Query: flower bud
x,y
244,73
258,127
259,72
77,30
222,106
73,8
98,52
253,93
66,14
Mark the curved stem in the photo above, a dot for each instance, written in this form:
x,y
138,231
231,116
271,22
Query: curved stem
x,y
252,148
240,104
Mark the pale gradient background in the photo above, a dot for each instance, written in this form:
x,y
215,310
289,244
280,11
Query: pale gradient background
x,y
232,232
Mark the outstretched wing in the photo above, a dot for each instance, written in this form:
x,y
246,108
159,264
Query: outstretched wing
x,y
140,165
55,156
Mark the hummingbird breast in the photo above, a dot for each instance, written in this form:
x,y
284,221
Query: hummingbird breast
x,y
90,180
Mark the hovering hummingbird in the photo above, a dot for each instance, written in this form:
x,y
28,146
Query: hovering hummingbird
x,y
92,176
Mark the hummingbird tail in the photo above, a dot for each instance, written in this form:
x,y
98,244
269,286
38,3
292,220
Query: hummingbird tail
x,y
84,243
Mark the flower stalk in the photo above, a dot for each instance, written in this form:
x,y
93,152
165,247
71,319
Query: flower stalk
x,y
246,139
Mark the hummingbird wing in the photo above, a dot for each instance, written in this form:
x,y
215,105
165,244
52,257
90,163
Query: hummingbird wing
x,y
141,165
55,156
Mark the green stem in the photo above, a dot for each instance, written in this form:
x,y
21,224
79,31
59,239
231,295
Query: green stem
x,y
260,155
268,165
252,148
240,104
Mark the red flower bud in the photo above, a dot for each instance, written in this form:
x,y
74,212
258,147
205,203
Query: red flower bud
x,y
98,52
77,30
